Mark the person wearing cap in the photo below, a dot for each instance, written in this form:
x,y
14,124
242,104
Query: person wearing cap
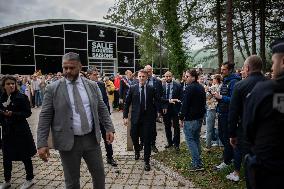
x,y
263,121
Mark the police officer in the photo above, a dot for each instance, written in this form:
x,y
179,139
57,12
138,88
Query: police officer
x,y
264,125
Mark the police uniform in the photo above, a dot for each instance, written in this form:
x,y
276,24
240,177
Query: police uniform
x,y
263,122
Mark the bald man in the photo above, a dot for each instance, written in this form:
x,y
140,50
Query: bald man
x,y
252,68
171,90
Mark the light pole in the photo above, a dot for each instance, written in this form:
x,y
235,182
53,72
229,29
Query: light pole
x,y
161,31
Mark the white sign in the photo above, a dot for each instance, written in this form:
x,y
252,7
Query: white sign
x,y
102,49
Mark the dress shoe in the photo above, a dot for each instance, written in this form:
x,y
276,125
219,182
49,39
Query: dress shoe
x,y
147,167
177,149
137,156
168,146
112,162
154,149
140,147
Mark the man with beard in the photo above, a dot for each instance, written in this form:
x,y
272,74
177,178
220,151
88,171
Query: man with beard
x,y
171,90
263,123
73,109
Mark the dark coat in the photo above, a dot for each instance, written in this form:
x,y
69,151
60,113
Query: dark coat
x,y
194,102
263,123
133,98
176,94
240,92
104,93
18,143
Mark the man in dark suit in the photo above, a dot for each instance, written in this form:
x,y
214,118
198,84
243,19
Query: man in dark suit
x,y
73,109
157,85
142,97
124,86
93,75
171,90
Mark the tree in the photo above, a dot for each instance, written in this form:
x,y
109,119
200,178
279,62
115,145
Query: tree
x,y
229,28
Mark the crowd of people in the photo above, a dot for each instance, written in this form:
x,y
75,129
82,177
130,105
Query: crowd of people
x,y
242,110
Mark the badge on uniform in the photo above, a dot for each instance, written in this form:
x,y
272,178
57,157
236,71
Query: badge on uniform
x,y
278,102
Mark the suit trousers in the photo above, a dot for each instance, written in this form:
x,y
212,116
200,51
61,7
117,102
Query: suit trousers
x,y
87,147
170,119
108,147
144,129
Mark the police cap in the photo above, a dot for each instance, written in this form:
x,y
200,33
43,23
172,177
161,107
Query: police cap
x,y
277,46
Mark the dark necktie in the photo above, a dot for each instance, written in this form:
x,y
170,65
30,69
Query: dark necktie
x,y
142,102
168,90
79,108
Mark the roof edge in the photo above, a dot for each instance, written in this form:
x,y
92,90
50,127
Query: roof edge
x,y
22,25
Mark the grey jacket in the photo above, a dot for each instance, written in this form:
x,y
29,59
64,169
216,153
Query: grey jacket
x,y
56,115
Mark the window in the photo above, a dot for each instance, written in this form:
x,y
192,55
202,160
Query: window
x,y
125,44
24,70
17,55
53,31
49,64
98,33
20,38
49,46
75,40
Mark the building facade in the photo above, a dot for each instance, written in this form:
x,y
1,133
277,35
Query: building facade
x,y
39,45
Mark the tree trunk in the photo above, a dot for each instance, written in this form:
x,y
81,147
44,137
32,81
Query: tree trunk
x,y
243,32
262,32
253,30
229,28
239,45
219,34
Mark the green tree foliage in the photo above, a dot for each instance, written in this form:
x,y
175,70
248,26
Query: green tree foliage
x,y
204,19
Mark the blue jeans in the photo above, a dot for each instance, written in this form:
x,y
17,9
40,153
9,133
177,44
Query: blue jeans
x,y
192,131
210,123
37,98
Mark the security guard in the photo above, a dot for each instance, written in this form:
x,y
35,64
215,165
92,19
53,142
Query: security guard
x,y
264,125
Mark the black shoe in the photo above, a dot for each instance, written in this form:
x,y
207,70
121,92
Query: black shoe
x,y
168,146
177,149
154,149
112,162
137,156
147,167
197,168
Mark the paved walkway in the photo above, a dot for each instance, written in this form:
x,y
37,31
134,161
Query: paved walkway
x,y
128,174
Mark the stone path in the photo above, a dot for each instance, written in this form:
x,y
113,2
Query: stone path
x,y
129,173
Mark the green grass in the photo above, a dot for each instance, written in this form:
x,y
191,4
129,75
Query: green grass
x,y
207,179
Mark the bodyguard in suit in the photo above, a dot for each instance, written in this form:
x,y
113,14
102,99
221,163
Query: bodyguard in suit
x,y
171,90
157,85
142,97
93,75
73,109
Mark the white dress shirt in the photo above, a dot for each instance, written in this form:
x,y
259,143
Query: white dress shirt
x,y
85,99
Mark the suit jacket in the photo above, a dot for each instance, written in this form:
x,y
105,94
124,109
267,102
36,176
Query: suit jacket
x,y
123,88
133,98
56,114
176,94
104,93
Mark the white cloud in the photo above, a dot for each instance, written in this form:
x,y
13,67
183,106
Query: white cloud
x,y
17,11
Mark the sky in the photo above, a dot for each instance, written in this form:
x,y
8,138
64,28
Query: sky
x,y
18,11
